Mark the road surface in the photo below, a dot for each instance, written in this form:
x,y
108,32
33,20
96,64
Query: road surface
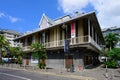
x,y
10,74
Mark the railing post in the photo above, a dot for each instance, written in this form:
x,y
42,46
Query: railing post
x,y
89,38
56,43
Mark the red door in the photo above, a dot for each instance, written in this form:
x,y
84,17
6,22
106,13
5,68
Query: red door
x,y
68,61
27,60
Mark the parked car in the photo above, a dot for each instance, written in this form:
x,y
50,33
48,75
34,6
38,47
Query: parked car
x,y
10,60
6,60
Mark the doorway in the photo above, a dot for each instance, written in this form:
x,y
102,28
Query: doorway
x,y
68,61
88,60
27,60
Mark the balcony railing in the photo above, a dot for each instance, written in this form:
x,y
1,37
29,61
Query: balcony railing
x,y
26,48
92,41
72,41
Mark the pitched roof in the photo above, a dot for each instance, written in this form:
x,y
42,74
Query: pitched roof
x,y
10,31
65,21
111,28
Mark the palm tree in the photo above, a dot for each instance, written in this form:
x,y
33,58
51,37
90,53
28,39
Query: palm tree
x,y
39,52
111,40
3,44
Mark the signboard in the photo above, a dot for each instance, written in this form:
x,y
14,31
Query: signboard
x,y
72,29
66,46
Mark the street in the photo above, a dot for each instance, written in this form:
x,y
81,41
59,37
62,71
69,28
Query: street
x,y
10,74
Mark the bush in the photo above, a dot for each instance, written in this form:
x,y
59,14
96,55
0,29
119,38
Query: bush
x,y
111,64
41,65
2,62
18,60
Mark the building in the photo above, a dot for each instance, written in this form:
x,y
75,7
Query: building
x,y
10,35
83,33
115,30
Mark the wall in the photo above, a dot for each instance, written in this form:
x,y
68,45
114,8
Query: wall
x,y
52,35
80,30
55,59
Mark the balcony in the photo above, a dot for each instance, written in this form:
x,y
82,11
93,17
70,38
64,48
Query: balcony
x,y
82,40
26,48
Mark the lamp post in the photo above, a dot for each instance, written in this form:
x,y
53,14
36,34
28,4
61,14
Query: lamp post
x,y
106,67
66,42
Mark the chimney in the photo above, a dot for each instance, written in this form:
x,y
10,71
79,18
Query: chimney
x,y
76,13
82,13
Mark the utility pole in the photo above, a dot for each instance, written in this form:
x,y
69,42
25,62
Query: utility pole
x,y
106,67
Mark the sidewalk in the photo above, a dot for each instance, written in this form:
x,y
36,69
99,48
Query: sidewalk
x,y
86,74
53,72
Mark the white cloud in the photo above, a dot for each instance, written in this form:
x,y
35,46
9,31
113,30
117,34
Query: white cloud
x,y
9,17
108,11
70,6
2,14
13,19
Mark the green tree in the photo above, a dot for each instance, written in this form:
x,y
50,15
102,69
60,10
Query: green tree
x,y
114,54
111,40
16,52
3,44
39,52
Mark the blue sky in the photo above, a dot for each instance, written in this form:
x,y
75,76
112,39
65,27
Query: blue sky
x,y
24,15
26,12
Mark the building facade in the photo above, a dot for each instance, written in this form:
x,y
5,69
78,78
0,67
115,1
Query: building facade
x,y
10,35
82,32
115,30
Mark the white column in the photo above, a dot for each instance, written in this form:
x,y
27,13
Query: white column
x,y
26,41
92,32
19,43
96,36
55,37
33,39
89,30
26,44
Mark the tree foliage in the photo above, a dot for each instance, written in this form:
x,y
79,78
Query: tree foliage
x,y
4,44
16,52
114,54
111,40
39,52
3,41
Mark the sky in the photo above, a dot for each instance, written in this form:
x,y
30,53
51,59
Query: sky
x,y
25,15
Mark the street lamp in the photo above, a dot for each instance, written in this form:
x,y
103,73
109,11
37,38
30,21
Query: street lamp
x,y
106,71
66,42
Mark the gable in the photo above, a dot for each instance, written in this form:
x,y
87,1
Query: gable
x,y
45,22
